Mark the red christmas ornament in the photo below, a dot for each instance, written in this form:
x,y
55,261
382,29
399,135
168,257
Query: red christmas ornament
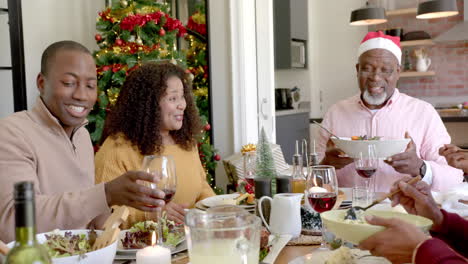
x,y
207,127
106,68
162,32
217,157
98,37
118,42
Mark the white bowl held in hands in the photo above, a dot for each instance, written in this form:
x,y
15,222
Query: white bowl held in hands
x,y
355,232
104,255
384,148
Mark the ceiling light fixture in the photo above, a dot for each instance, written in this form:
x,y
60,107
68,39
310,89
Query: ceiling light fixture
x,y
368,15
437,9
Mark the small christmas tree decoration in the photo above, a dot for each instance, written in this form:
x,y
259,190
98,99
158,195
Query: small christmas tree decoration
x,y
162,32
123,3
98,37
265,165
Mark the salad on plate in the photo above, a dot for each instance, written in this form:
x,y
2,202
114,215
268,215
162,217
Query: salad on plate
x,y
139,235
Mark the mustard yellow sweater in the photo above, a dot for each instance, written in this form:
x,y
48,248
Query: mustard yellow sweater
x,y
118,155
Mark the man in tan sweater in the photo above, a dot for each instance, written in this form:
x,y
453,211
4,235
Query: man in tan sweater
x,y
50,146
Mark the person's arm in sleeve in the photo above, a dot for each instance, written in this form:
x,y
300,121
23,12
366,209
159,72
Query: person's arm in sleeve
x,y
64,210
435,251
454,232
443,175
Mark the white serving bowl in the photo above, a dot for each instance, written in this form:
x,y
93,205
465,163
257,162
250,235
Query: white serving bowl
x,y
355,233
104,255
384,148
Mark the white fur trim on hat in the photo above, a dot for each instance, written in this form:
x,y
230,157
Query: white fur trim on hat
x,y
380,43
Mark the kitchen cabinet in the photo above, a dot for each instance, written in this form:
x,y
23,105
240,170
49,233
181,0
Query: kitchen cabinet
x,y
290,23
291,125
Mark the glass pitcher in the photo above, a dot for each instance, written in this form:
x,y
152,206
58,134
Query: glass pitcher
x,y
222,234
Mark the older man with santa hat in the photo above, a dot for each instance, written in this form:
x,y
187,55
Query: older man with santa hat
x,y
381,110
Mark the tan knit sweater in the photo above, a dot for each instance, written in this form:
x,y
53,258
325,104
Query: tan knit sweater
x,y
118,155
34,147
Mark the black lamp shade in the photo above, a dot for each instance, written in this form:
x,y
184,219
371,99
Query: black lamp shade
x,y
368,16
437,9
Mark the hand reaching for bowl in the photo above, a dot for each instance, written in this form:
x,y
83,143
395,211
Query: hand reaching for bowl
x,y
335,156
397,242
455,157
407,162
417,200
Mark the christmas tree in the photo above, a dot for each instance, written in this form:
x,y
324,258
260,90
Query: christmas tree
x,y
265,162
197,64
132,32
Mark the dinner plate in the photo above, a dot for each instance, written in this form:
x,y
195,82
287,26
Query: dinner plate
x,y
321,256
221,200
121,250
277,244
132,256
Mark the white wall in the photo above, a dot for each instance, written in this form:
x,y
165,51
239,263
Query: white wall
x,y
48,21
221,84
334,45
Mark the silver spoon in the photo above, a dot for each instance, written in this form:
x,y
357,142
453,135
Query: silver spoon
x,y
324,128
351,213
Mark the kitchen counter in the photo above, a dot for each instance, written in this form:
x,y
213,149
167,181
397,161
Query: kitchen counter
x,y
291,111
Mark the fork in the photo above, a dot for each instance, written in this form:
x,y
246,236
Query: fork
x,y
351,213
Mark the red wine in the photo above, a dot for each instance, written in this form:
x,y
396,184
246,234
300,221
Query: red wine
x,y
366,172
322,202
169,194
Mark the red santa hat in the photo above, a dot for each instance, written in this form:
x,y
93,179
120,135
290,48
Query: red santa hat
x,y
378,40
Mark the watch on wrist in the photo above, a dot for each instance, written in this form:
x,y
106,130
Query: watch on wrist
x,y
422,170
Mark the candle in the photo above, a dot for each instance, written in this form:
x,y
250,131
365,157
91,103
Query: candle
x,y
153,254
317,189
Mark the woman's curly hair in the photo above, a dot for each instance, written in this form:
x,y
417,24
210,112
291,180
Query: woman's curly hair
x,y
136,114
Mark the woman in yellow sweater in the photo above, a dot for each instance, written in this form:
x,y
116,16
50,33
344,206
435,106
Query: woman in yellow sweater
x,y
155,113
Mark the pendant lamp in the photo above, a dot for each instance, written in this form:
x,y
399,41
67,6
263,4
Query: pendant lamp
x,y
437,9
368,15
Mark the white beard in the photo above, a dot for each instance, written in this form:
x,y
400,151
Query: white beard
x,y
377,99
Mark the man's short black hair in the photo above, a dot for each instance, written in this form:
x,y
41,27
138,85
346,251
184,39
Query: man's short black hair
x,y
52,50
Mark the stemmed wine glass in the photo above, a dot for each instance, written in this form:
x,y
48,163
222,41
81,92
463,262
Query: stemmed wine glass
x,y
164,168
322,191
366,166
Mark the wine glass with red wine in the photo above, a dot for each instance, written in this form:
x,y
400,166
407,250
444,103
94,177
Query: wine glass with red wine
x,y
164,168
366,166
322,191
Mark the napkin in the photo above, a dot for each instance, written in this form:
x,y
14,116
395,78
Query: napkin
x,y
449,200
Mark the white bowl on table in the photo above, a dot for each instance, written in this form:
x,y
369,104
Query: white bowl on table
x,y
104,255
384,147
356,232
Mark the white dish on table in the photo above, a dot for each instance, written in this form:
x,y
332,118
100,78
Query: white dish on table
x,y
319,257
225,199
123,251
384,147
103,255
277,246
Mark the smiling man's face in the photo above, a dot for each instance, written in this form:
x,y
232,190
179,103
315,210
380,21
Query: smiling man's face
x,y
69,88
378,73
